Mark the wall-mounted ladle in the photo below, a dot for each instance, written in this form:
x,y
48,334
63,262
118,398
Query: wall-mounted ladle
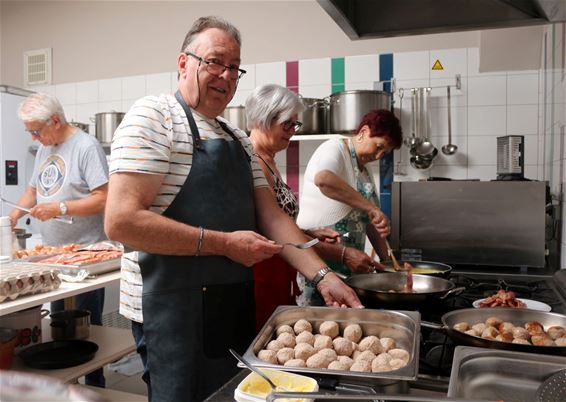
x,y
449,149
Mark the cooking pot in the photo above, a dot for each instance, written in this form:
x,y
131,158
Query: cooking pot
x,y
70,324
314,117
106,124
20,236
27,323
517,316
389,288
347,108
423,268
83,126
236,115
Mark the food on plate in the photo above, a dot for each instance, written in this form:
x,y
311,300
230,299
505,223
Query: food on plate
x,y
41,249
304,351
479,327
503,298
269,356
302,325
295,363
305,337
462,326
81,257
284,328
329,328
371,354
353,332
529,333
287,340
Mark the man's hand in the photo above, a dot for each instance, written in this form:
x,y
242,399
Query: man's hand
x,y
248,248
358,261
336,293
379,220
45,211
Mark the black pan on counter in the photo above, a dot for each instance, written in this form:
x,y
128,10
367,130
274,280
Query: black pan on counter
x,y
517,316
59,354
389,288
423,268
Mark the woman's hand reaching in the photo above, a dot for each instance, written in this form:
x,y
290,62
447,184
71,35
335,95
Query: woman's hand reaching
x,y
324,234
379,220
359,262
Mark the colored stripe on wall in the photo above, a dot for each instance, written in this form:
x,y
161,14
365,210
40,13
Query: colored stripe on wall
x,y
338,74
386,164
292,171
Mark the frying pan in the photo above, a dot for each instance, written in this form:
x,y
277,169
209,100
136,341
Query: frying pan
x,y
517,316
378,286
423,268
59,354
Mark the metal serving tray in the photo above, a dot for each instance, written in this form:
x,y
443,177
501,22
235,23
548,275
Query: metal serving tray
x,y
94,268
403,326
500,374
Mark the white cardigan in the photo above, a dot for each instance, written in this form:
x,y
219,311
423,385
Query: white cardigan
x,y
316,209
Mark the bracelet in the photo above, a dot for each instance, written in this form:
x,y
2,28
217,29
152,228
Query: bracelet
x,y
343,254
200,239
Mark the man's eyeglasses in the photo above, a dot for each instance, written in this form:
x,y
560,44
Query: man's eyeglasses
x,y
36,133
295,125
216,68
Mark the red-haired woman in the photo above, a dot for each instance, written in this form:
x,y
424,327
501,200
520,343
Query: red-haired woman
x,y
339,193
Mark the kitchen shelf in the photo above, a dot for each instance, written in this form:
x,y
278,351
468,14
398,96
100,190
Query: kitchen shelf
x,y
66,289
318,137
113,344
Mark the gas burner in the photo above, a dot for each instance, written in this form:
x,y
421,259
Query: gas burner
x,y
500,284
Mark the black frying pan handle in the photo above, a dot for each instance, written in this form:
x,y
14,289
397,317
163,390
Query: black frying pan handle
x,y
433,325
455,292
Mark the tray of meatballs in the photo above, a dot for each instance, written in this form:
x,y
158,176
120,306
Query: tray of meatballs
x,y
341,343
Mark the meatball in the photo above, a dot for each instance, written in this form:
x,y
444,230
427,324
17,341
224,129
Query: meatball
x,y
521,341
304,351
387,344
329,354
472,332
534,327
504,336
269,356
338,365
380,366
493,321
520,333
396,364
489,333
353,332
317,361
370,343
365,355
284,328
461,326
322,342
383,358
542,340
295,363
356,354
285,354
305,337
302,325
329,328
560,341
479,327
287,340
556,332
348,361
505,327
274,345
399,354
343,346
361,366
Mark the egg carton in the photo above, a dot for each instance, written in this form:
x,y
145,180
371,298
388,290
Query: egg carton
x,y
19,279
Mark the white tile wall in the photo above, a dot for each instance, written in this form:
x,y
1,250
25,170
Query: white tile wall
x,y
271,73
411,65
361,69
453,61
523,89
157,84
314,72
487,120
490,90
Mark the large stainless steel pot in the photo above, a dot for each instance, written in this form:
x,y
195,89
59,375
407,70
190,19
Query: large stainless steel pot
x,y
106,124
347,108
314,117
236,115
517,316
389,288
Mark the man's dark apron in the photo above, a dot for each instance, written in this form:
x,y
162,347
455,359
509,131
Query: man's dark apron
x,y
195,308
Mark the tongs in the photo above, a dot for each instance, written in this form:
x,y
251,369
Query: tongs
x,y
397,267
57,218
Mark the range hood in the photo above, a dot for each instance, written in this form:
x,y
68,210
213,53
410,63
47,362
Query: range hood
x,y
365,19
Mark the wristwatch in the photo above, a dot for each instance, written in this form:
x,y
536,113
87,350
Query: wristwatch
x,y
320,276
63,208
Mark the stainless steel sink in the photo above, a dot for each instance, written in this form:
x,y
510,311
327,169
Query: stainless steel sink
x,y
499,374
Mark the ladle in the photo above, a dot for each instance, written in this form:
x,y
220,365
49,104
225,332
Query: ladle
x,y
256,370
449,149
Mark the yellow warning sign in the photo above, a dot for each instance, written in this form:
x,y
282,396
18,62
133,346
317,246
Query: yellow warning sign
x,y
437,65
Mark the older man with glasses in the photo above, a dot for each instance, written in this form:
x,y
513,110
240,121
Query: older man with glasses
x,y
187,193
70,178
